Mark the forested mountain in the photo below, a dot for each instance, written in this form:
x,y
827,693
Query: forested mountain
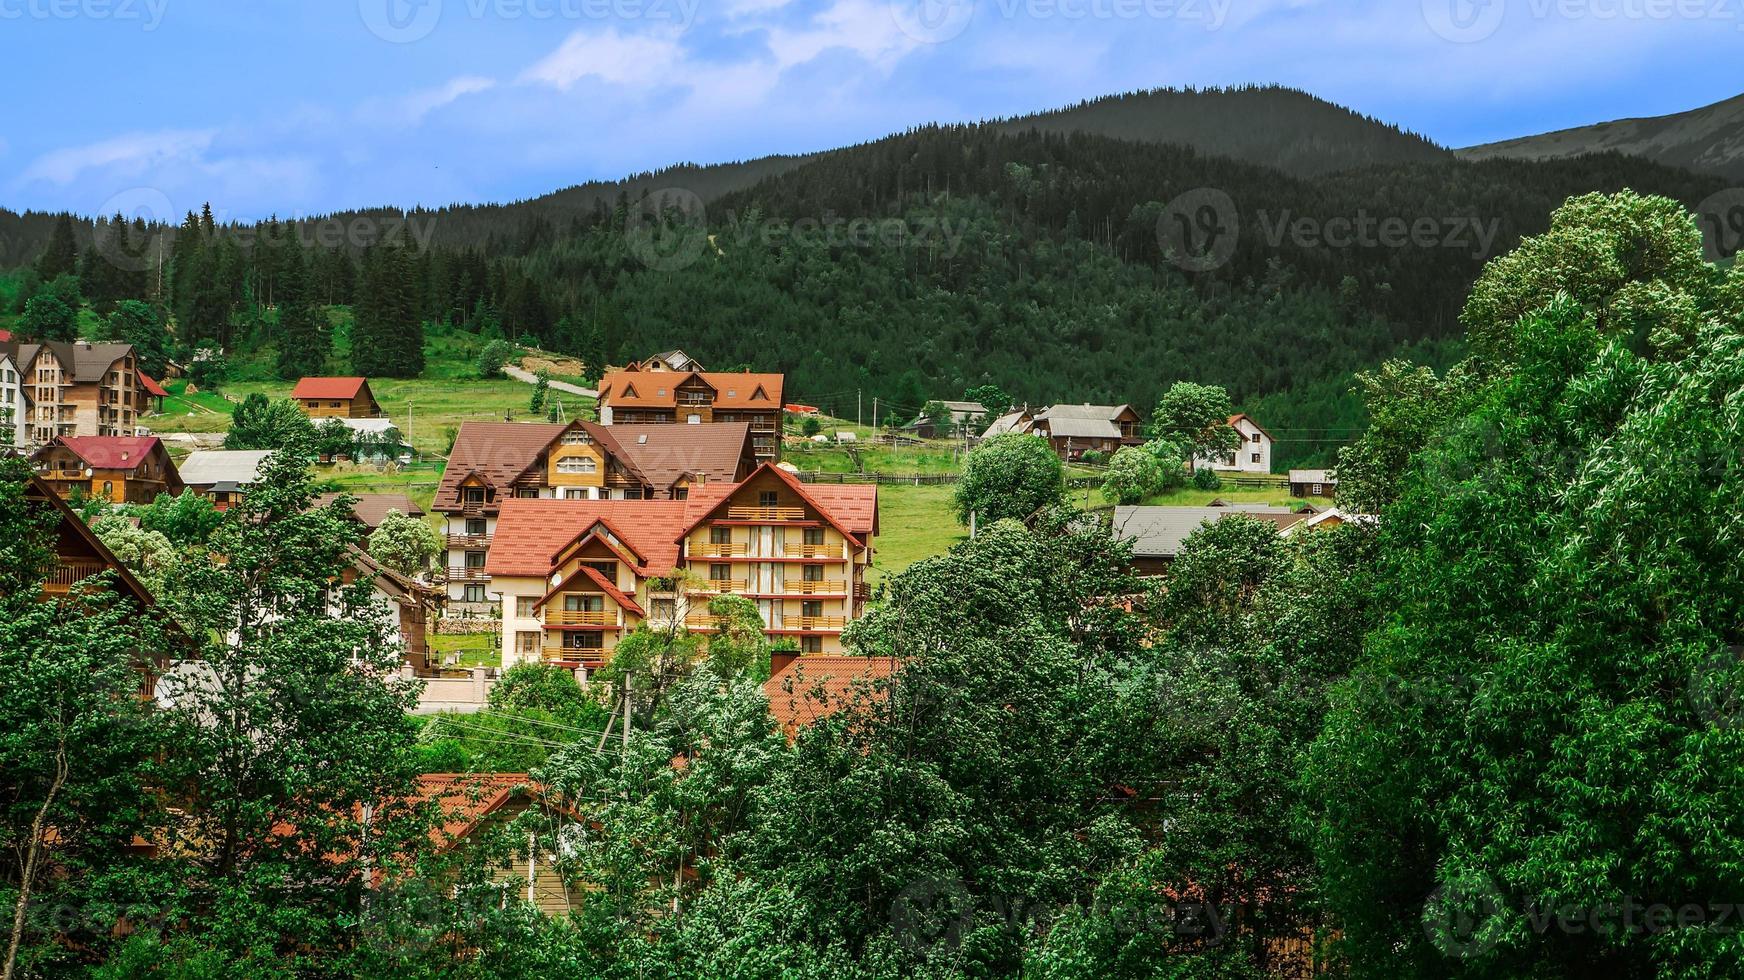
x,y
1706,140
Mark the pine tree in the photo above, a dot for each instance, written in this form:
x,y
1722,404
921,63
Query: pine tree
x,y
61,257
303,344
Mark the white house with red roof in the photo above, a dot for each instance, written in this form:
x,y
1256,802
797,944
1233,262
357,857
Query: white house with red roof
x,y
1254,455
576,576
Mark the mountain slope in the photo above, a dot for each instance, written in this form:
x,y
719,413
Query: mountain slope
x,y
1706,140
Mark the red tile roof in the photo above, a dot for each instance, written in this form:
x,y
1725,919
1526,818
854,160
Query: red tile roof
x,y
530,533
110,452
852,507
464,799
328,388
593,575
659,389
796,681
151,387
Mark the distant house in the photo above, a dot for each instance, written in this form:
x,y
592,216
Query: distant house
x,y
472,805
119,469
371,508
12,406
1313,483
336,398
805,689
1332,518
223,475
963,415
1020,422
638,396
1074,430
76,388
409,604
1158,532
154,394
672,360
1254,455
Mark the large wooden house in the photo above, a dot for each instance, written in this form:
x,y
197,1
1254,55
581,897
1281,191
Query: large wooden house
x,y
119,469
576,576
492,462
73,389
1074,430
663,397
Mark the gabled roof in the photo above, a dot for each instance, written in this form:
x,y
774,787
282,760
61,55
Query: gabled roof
x,y
856,508
109,452
464,800
1079,428
609,535
73,526
1018,421
151,387
530,532
807,688
659,389
605,585
372,507
207,467
338,388
1249,419
1159,531
497,452
1107,412
86,363
1311,476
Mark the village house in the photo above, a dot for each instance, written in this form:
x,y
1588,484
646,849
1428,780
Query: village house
x,y
803,690
370,508
962,416
672,360
347,398
576,576
1015,422
408,603
75,389
1313,483
473,806
119,469
13,428
1253,455
635,395
1074,430
222,475
495,461
1158,532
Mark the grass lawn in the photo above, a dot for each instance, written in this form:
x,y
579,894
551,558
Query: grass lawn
x,y
476,650
938,456
914,523
417,481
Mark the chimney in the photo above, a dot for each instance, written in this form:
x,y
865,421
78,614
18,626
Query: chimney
x,y
781,660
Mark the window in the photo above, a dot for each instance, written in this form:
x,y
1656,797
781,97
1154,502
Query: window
x,y
574,493
527,493
1255,457
813,573
680,493
577,437
693,419
1316,490
527,641
108,487
811,607
584,641
473,495
472,593
577,464
811,644
814,535
475,559
662,610
475,525
333,405
1256,437
583,602
607,568
720,571
524,606
632,493
720,535
767,498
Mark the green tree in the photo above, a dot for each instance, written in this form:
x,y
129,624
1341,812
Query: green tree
x,y
185,519
148,554
262,424
135,322
61,256
1407,408
1133,474
493,356
405,544
1009,476
1196,418
333,438
991,397
541,387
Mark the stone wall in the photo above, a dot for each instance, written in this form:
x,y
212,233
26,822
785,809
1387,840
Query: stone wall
x,y
450,626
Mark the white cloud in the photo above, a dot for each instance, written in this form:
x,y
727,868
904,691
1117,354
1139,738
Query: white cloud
x,y
420,104
754,8
864,27
130,152
610,57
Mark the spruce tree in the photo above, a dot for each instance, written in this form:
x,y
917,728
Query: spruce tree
x,y
61,257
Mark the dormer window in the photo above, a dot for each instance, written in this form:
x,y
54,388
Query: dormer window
x,y
577,437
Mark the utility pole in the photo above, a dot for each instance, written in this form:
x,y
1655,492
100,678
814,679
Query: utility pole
x,y
857,416
874,417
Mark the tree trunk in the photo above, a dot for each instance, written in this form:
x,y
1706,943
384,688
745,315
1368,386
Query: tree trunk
x,y
36,829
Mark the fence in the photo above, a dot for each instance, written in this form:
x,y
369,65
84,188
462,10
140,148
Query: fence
x,y
882,479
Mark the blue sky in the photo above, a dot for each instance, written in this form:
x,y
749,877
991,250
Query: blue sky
x,y
304,106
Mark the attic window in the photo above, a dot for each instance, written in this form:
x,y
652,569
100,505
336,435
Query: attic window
x,y
661,393
732,393
759,394
642,440
629,391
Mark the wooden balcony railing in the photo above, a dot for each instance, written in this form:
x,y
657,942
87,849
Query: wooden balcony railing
x,y
581,617
816,588
63,474
64,575
814,623
587,658
703,622
812,551
739,550
720,586
766,513
469,540
472,508
462,573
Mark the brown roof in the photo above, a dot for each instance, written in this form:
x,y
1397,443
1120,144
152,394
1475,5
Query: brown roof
x,y
497,451
328,387
88,363
806,688
661,455
659,389
372,507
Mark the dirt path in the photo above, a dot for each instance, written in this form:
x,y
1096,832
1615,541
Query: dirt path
x,y
523,375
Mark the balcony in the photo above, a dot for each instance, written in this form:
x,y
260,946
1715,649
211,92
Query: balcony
x,y
464,573
63,475
704,622
581,617
464,541
591,659
720,586
817,588
66,574
814,623
472,508
812,551
766,513
740,550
